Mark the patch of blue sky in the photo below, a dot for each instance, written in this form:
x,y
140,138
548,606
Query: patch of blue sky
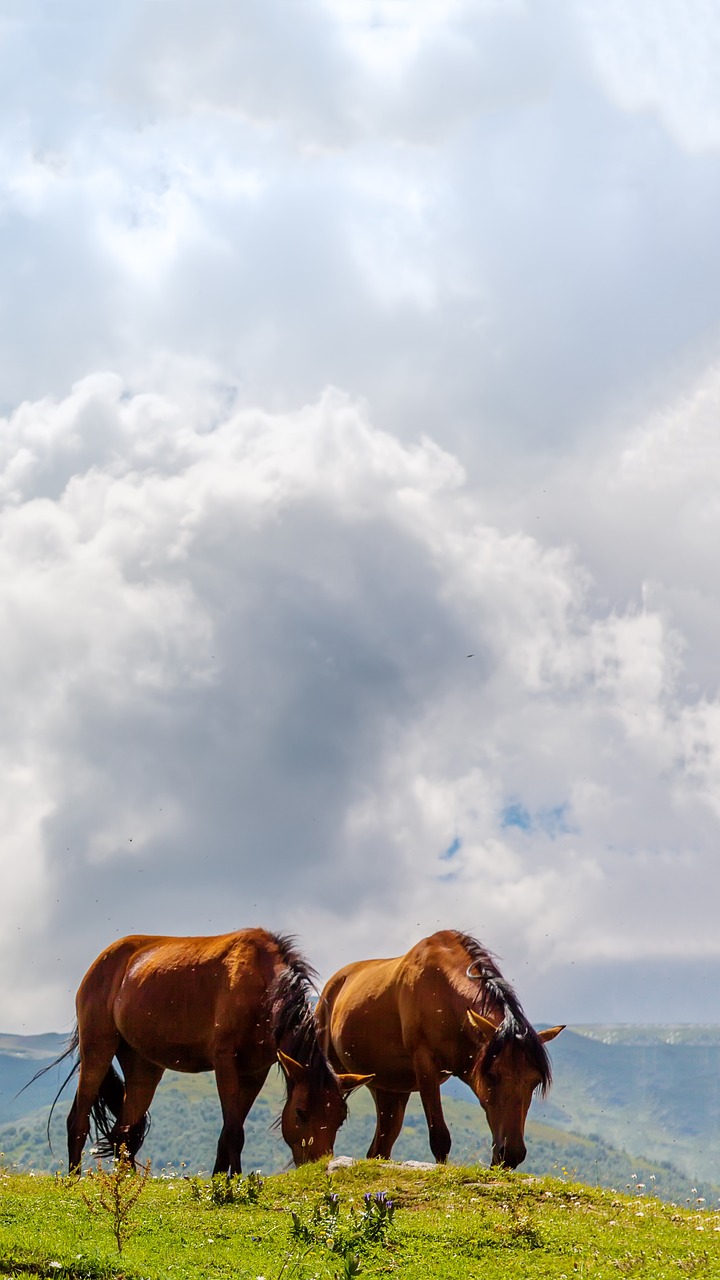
x,y
452,849
516,815
552,822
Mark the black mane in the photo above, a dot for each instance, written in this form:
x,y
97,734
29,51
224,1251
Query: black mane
x,y
496,995
292,1019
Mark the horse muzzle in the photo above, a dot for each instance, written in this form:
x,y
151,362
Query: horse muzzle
x,y
508,1154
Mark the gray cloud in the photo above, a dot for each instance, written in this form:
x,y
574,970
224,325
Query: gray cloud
x,y
283,669
508,261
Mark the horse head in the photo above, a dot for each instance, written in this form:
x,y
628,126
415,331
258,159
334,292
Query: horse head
x,y
315,1107
510,1063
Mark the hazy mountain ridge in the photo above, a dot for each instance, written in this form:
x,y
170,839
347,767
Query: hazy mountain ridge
x,y
706,1033
649,1091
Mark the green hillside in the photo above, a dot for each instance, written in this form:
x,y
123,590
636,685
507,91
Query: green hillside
x,y
648,1090
186,1123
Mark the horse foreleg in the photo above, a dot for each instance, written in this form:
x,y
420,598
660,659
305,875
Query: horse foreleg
x,y
428,1080
390,1109
141,1080
237,1094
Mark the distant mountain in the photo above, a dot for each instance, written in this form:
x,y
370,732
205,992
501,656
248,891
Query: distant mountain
x,y
20,1058
653,1091
629,1105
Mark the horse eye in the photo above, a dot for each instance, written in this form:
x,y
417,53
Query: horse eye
x,y
303,1116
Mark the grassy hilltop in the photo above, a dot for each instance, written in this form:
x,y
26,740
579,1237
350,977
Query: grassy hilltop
x,y
462,1222
452,1223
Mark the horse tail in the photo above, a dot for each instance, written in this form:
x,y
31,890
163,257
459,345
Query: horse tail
x,y
106,1109
71,1051
105,1112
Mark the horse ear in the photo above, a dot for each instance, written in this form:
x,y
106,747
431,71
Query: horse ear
x,y
486,1028
349,1082
550,1033
294,1071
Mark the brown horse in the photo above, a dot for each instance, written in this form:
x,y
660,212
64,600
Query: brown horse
x,y
444,1009
233,1004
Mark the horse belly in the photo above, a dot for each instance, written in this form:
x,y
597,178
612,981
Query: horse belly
x,y
176,1048
169,1018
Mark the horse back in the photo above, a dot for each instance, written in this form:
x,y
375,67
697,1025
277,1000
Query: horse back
x,y
375,1015
364,1017
179,1001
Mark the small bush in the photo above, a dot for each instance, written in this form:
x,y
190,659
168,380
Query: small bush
x,y
349,1236
222,1190
115,1194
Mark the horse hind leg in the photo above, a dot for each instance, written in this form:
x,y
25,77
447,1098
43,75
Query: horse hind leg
x,y
95,1066
390,1109
141,1080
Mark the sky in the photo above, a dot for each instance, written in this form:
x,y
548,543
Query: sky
x,y
359,484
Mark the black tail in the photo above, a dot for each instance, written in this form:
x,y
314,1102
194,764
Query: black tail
x,y
106,1109
105,1112
72,1048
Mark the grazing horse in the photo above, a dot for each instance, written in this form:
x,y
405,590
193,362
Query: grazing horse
x,y
232,1004
444,1009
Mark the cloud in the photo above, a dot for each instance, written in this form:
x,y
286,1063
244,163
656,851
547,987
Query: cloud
x,y
644,55
302,203
274,666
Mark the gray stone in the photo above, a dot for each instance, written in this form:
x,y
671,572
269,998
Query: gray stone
x,y
346,1162
340,1162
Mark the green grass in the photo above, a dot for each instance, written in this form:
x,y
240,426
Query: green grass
x,y
458,1223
